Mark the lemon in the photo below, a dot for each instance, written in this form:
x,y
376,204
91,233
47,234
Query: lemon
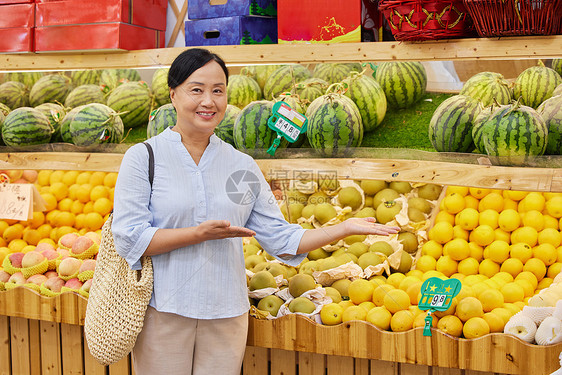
x,y
445,216
65,204
550,222
544,283
453,203
331,314
516,195
402,321
76,207
396,300
415,273
97,178
479,193
512,292
379,317
380,292
550,236
509,204
506,277
528,235
367,305
503,313
552,271
50,201
13,232
457,249
498,251
528,289
483,235
414,291
31,236
426,263
467,218
36,220
446,265
395,279
466,291
529,276
110,179
509,220
64,218
475,327
419,321
450,325
468,266
491,299
476,251
441,232
360,290
50,217
469,307
83,192
17,245
488,268
537,267
354,313
407,281
432,248
93,221
534,219
56,176
103,206
492,201
43,177
433,273
98,191
534,201
83,178
554,207
521,251
489,217
545,252
513,266
461,190
470,202
502,235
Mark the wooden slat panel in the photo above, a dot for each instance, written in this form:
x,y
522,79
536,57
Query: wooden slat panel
x,y
447,49
446,371
91,366
411,369
283,362
121,368
255,361
50,348
337,365
362,366
384,367
34,348
312,364
471,372
5,355
19,338
71,343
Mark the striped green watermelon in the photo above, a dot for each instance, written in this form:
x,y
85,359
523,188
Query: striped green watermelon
x,y
310,89
50,89
111,78
557,65
557,90
96,123
242,90
260,72
27,78
487,87
133,101
55,113
551,112
369,97
283,79
160,87
355,67
297,104
64,131
403,83
334,125
4,109
85,94
514,134
536,84
85,77
251,133
14,94
477,127
225,128
450,128
331,72
160,119
26,126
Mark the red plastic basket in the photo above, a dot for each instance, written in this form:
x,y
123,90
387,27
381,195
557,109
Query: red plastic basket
x,y
426,20
516,17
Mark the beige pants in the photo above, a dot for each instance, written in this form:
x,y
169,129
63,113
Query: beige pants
x,y
172,344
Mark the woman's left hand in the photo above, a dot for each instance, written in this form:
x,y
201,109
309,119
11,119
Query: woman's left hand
x,y
368,225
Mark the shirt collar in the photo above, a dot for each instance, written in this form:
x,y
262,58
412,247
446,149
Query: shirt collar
x,y
171,135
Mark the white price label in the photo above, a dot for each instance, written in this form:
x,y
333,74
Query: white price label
x,y
287,128
438,300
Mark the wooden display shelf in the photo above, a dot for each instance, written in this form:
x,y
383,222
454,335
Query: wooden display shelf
x,y
450,49
444,173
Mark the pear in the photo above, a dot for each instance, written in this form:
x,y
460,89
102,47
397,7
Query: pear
x,y
307,226
358,249
324,212
308,211
350,196
372,187
405,263
261,280
402,187
368,201
291,271
381,247
346,258
271,303
295,196
250,249
420,203
295,212
269,256
366,212
252,260
354,238
409,241
342,286
318,254
369,259
318,197
255,242
385,195
326,183
277,269
415,215
429,191
333,294
327,263
308,268
387,211
300,283
260,267
302,305
339,251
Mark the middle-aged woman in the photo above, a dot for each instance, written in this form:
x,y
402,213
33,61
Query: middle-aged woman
x,y
205,195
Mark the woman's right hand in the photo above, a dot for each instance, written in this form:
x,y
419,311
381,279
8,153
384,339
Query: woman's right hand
x,y
219,229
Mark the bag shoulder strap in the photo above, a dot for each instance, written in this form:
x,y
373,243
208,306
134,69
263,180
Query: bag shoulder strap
x,y
150,162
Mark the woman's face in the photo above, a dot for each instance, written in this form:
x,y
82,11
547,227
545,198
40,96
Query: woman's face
x,y
201,101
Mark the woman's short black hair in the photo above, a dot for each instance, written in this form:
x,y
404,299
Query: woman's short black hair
x,y
188,62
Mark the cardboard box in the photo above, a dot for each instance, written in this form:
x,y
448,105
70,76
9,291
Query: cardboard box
x,y
145,13
17,15
97,36
319,21
197,9
17,39
230,31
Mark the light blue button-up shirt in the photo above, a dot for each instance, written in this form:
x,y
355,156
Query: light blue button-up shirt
x,y
206,280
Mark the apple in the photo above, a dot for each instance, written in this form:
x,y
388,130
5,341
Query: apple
x,y
44,246
14,174
86,286
87,265
50,274
82,244
270,303
54,284
17,278
65,253
16,259
69,266
67,240
31,259
4,276
94,237
73,284
30,175
50,254
37,279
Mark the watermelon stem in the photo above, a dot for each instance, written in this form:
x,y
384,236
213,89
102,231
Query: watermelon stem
x,y
126,135
337,88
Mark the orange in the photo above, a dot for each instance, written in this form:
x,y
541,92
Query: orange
x,y
453,203
442,232
445,216
402,321
489,217
537,267
467,218
534,201
509,220
475,327
469,307
488,268
479,193
457,249
546,252
491,299
492,201
533,219
528,235
426,263
513,266
461,190
521,251
483,235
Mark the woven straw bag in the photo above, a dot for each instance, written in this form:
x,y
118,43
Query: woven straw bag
x,y
118,298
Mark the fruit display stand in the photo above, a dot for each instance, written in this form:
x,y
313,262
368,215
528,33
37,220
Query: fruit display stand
x,y
43,335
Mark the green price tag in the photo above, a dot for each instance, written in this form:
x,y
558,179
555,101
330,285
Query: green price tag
x,y
287,123
437,295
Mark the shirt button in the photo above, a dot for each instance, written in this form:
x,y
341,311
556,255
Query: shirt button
x,y
197,173
201,204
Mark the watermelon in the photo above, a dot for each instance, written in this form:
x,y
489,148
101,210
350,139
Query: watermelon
x,y
403,83
310,89
225,128
160,87
242,90
251,132
133,101
64,130
488,87
14,94
26,126
514,133
477,127
85,94
331,72
160,119
85,77
50,89
4,109
55,113
295,103
260,72
536,84
551,112
111,78
334,125
283,79
450,128
96,123
369,97
557,65
355,67
557,90
27,78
